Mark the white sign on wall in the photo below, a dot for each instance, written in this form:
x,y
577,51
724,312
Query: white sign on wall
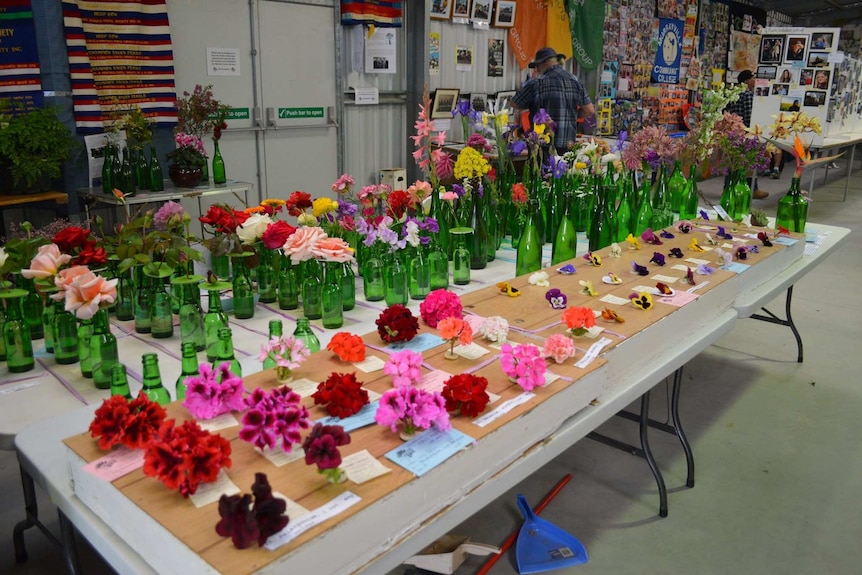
x,y
222,62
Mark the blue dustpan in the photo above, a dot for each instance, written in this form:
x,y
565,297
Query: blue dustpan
x,y
542,546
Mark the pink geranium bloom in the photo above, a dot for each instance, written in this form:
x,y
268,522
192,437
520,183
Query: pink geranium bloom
x,y
46,263
559,347
301,244
333,250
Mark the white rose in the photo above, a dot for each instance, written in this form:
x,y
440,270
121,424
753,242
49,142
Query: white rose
x,y
3,256
253,228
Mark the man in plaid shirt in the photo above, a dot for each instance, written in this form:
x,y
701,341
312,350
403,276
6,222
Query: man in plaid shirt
x,y
561,95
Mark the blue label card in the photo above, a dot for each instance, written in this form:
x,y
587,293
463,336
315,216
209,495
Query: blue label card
x,y
783,240
429,449
420,343
736,267
361,418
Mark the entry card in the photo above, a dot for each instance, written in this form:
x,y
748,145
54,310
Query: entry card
x,y
303,386
434,380
783,240
279,457
362,466
592,353
299,526
211,492
371,364
735,267
679,298
428,450
361,418
119,462
422,342
471,351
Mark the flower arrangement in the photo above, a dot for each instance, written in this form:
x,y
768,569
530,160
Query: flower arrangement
x,y
341,394
700,141
287,352
470,164
84,292
494,328
740,150
131,423
404,367
410,409
397,323
272,416
648,149
559,348
796,124
455,330
321,449
438,305
189,153
523,364
579,320
243,522
347,346
466,393
428,154
213,392
199,113
184,456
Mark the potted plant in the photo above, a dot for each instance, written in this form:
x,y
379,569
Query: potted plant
x,y
33,147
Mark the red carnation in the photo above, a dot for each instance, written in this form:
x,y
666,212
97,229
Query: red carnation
x,y
276,234
396,323
71,238
466,392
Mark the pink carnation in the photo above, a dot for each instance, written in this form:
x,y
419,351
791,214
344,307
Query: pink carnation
x,y
439,305
559,347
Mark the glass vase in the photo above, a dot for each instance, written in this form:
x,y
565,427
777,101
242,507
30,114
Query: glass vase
x,y
220,266
312,289
394,280
689,202
125,305
47,320
219,176
676,187
460,255
348,287
566,240
438,263
479,241
190,313
419,273
243,289
18,347
443,223
644,214
32,306
793,209
85,332
143,301
161,312
266,276
331,305
157,177
65,335
142,170
372,276
103,350
214,319
288,284
528,258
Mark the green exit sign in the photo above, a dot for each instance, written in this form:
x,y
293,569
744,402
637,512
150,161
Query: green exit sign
x,y
294,113
238,114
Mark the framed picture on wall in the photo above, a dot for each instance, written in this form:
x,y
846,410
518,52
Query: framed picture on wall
x,y
479,102
787,76
771,49
796,48
767,72
441,9
444,102
813,98
821,41
481,13
504,17
818,60
461,9
821,79
503,100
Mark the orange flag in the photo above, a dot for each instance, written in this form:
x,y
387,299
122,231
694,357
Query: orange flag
x,y
530,31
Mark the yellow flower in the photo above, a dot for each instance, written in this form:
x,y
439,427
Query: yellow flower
x,y
502,119
471,164
322,206
272,203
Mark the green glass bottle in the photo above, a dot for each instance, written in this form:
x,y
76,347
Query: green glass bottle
x,y
157,178
676,186
219,176
303,332
528,258
125,307
394,280
330,297
225,352
117,178
601,232
688,205
480,239
2,339
131,185
243,290
288,284
153,387
18,346
372,275
348,287
65,335
120,381
220,266
85,332
442,218
48,319
419,273
275,332
266,278
103,350
312,289
142,170
662,216
190,312
205,172
143,302
161,313
793,209
32,308
107,170
625,214
460,255
566,241
189,368
644,217
438,263
214,320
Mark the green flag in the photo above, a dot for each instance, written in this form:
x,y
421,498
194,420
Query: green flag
x,y
587,20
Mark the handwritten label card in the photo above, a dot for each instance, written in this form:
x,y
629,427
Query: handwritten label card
x,y
361,418
222,421
679,298
434,380
665,279
119,462
428,450
371,364
362,466
422,342
299,526
211,492
472,351
303,386
592,353
611,298
503,409
280,457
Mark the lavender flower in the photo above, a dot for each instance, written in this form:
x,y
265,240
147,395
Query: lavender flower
x,y
169,216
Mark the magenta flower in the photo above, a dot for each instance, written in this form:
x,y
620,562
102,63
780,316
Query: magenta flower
x,y
438,305
213,392
404,367
524,364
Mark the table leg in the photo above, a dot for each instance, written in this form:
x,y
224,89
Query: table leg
x,y
31,519
849,171
677,426
788,322
70,550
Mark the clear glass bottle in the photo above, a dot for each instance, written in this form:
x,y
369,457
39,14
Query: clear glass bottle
x,y
189,368
303,332
566,240
243,290
275,332
103,350
161,313
120,381
225,352
214,320
331,306
219,176
793,209
16,334
153,387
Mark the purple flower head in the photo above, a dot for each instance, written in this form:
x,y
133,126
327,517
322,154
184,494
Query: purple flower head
x,y
653,159
459,190
517,148
429,225
621,141
462,107
541,117
346,209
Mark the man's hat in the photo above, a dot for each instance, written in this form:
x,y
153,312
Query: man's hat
x,y
544,54
744,76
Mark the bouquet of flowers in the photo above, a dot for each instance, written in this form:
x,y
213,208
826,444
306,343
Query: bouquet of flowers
x,y
797,124
559,347
199,113
189,153
287,352
740,150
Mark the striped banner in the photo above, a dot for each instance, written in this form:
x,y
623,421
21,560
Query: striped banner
x,y
20,79
120,56
381,13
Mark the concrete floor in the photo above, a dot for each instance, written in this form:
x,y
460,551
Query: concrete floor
x,y
776,444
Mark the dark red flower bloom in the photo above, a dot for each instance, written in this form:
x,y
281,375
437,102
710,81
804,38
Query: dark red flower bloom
x,y
397,323
321,445
467,393
90,255
268,510
298,202
237,520
276,234
397,203
342,394
71,238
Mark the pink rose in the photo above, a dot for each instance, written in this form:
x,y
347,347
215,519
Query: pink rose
x,y
301,244
67,276
86,294
333,250
46,263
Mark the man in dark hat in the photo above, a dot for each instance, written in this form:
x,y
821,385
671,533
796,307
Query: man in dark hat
x,y
560,93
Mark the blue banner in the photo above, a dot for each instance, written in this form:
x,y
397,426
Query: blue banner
x,y
667,56
20,76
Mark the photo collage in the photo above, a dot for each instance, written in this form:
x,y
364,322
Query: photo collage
x,y
795,67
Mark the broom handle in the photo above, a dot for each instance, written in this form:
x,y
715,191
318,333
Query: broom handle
x,y
492,560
